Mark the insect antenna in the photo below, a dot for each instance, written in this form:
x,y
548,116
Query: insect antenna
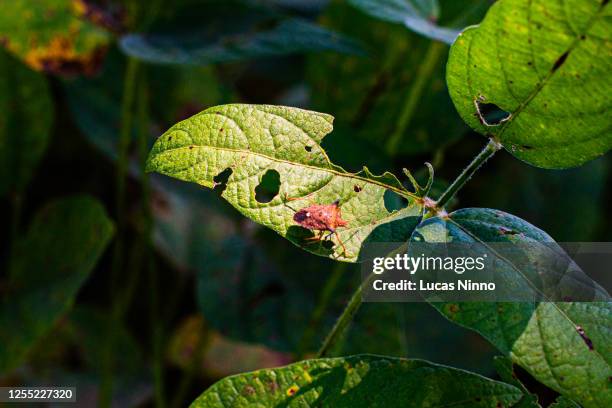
x,y
287,198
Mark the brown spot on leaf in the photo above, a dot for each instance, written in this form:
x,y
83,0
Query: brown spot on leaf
x,y
585,338
356,188
272,386
292,390
59,56
248,390
560,61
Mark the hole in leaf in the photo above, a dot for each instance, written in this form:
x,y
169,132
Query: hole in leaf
x,y
268,187
308,148
393,201
490,114
220,180
356,188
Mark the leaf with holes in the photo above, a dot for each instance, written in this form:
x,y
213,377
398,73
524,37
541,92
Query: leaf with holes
x,y
357,381
565,346
534,75
235,147
55,35
46,272
25,124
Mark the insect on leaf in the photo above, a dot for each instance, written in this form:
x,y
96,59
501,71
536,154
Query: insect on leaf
x,y
535,75
232,147
357,381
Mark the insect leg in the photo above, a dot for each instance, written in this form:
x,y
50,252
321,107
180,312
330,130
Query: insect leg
x,y
332,232
317,237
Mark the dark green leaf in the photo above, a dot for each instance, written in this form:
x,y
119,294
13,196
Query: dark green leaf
x,y
563,345
288,37
359,381
503,366
50,264
25,123
535,76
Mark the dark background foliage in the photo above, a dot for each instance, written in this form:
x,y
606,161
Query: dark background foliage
x,y
196,292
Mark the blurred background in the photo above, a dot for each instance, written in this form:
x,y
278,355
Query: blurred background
x,y
142,290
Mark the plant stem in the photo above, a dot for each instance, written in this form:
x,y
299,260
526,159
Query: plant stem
x,y
129,86
17,207
489,150
344,320
430,61
317,314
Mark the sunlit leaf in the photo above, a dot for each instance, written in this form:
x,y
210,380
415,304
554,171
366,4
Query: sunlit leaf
x,y
534,75
359,381
53,35
50,264
563,345
233,147
25,123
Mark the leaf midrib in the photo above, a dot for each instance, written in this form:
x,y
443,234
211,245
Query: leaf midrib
x,y
404,193
561,312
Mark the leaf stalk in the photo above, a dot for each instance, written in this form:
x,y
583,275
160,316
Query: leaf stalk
x,y
344,320
489,150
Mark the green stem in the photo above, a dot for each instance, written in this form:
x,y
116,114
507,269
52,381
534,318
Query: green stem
x,y
344,320
423,75
129,87
17,207
489,150
317,314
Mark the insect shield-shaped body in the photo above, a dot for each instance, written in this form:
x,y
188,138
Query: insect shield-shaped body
x,y
321,218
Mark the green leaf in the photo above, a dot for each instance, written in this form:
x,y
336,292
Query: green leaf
x,y
359,381
417,15
562,402
290,36
503,366
534,76
565,345
49,266
53,35
27,115
235,146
